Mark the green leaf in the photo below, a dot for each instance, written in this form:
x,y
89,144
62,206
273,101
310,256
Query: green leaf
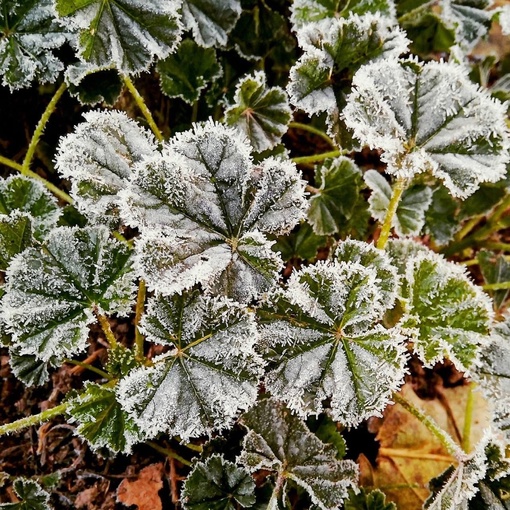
x,y
430,117
210,20
333,205
18,193
121,361
410,216
51,292
322,338
302,244
15,236
441,217
99,158
208,376
280,442
32,496
122,33
327,431
29,37
363,500
101,420
27,368
204,211
188,71
495,269
446,315
218,484
482,201
261,113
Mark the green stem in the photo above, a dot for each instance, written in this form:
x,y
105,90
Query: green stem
x,y
143,107
88,366
495,246
122,239
140,303
168,453
398,189
36,419
315,158
468,227
468,418
496,286
10,163
433,427
107,330
194,112
311,129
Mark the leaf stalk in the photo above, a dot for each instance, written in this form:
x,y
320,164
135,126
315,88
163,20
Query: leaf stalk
x,y
398,189
35,419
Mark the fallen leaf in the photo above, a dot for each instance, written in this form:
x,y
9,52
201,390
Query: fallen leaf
x,y
143,491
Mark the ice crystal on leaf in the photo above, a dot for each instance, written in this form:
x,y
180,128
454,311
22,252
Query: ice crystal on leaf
x,y
429,117
127,34
280,442
31,496
51,292
209,376
99,158
204,210
323,338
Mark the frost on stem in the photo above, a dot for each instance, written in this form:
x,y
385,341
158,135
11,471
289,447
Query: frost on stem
x,y
429,118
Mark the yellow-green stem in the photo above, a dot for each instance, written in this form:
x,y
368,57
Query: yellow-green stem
x,y
168,453
107,330
398,189
315,158
88,366
143,107
311,129
468,418
495,246
468,227
122,239
36,419
140,303
496,286
10,163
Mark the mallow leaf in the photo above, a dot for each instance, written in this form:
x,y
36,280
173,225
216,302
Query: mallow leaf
x,y
28,368
210,20
32,496
410,215
101,420
15,236
99,158
259,112
280,442
323,340
210,373
363,500
441,216
126,34
445,314
188,71
29,37
52,291
429,118
204,210
218,484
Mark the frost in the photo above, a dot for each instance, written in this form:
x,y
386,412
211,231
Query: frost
x,y
128,34
15,236
99,158
429,117
323,341
504,19
262,114
51,292
209,376
204,210
31,496
280,442
27,368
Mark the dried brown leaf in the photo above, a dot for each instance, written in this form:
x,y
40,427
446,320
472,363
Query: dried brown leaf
x,y
143,492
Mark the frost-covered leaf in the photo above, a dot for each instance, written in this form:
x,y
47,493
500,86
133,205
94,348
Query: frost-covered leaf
x,y
32,496
218,484
15,236
127,34
99,158
338,183
204,211
430,117
210,20
445,314
18,193
363,500
441,216
410,215
27,368
483,200
51,292
495,269
29,35
101,420
323,341
209,375
188,71
259,112
334,50
279,441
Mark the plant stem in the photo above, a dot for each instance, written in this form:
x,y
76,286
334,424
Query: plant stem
x,y
23,423
311,129
168,453
410,454
10,163
495,246
315,158
140,303
88,366
398,189
496,286
143,107
468,227
433,427
107,330
468,418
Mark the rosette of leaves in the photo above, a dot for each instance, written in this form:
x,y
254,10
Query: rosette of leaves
x,y
204,210
445,314
278,441
209,374
126,34
323,337
429,118
29,37
52,292
32,496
